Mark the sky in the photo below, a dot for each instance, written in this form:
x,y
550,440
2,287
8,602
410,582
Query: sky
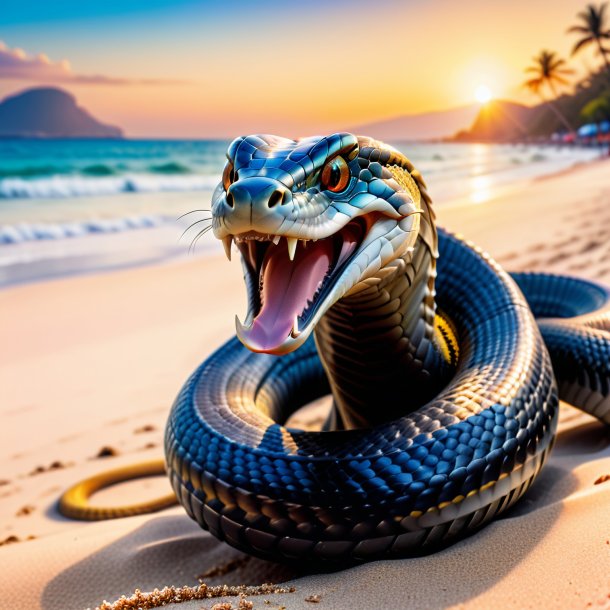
x,y
184,69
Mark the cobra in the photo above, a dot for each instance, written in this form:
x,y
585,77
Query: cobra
x,y
445,388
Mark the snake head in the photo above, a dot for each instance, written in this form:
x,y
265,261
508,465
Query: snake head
x,y
315,220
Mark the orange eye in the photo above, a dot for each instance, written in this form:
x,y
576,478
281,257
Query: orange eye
x,y
335,175
229,175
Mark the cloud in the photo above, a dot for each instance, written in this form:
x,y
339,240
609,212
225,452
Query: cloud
x,y
16,64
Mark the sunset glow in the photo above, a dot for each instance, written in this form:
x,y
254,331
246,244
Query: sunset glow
x,y
183,69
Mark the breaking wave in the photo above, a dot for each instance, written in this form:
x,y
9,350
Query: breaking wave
x,y
169,178
31,232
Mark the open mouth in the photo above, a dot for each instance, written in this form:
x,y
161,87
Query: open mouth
x,y
290,280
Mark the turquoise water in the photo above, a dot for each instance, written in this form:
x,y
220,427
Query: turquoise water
x,y
67,168
81,205
58,169
34,158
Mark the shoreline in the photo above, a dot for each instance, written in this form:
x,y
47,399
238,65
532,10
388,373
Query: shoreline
x,y
507,190
157,243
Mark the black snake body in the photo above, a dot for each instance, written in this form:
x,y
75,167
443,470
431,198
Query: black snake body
x,y
436,366
445,395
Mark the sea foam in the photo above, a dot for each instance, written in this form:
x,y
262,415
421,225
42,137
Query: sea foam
x,y
28,232
78,186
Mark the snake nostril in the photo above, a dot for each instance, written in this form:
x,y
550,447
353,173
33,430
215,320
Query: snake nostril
x,y
230,201
277,197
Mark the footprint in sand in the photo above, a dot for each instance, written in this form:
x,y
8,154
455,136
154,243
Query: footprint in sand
x,y
56,465
146,428
105,452
14,539
28,509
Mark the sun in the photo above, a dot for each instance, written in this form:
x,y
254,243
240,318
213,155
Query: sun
x,y
483,94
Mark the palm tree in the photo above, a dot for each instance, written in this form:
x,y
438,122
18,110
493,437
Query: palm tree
x,y
598,109
593,29
549,70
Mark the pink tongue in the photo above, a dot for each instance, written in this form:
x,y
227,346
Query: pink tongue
x,y
287,285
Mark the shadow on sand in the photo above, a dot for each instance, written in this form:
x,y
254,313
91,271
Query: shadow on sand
x,y
173,550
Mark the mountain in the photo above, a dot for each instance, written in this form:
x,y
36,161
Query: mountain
x,y
426,126
48,112
499,121
503,121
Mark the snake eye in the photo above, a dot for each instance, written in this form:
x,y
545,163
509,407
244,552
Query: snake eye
x,y
229,175
335,175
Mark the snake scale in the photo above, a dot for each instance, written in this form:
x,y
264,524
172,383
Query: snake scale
x,y
445,387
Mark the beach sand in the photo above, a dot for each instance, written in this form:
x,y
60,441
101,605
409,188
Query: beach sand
x,y
89,369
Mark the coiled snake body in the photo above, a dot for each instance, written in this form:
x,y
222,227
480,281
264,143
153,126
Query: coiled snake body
x,y
445,397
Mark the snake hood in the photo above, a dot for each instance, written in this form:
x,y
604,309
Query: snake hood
x,y
315,220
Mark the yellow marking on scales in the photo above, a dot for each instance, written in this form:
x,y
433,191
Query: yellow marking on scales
x,y
407,182
461,498
446,339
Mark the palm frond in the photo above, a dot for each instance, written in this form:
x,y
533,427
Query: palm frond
x,y
533,84
592,21
557,66
581,43
560,80
548,69
577,29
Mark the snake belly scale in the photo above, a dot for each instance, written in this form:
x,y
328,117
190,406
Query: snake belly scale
x,y
445,371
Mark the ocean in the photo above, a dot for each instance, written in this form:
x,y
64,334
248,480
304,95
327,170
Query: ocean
x,y
79,206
